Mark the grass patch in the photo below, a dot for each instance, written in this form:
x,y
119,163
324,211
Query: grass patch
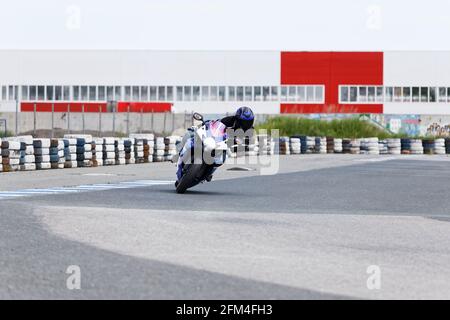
x,y
338,128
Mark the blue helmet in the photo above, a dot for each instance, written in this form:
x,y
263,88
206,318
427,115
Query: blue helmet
x,y
244,118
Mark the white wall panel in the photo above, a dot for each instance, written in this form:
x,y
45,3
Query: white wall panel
x,y
139,67
420,68
225,107
416,108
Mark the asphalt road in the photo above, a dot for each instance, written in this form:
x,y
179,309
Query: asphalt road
x,y
309,232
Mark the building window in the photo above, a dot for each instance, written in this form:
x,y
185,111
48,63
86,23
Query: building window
x,y
310,94
66,93
118,93
389,94
161,93
109,93
301,93
406,94
433,94
41,93
4,93
353,94
58,93
196,93
292,92
240,93
442,94
397,94
362,94
231,93
24,93
49,93
144,93
135,93
380,97
257,94
127,93
222,94
415,94
274,93
213,93
179,93
266,93
248,94
371,94
153,94
10,93
92,93
448,94
344,94
187,93
170,93
101,93
283,93
205,93
32,93
424,94
84,93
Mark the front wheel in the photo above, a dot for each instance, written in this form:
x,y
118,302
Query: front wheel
x,y
194,174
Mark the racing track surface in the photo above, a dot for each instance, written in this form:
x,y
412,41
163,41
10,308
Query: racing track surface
x,y
301,234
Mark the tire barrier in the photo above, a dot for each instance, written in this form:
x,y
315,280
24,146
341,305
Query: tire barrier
x,y
338,146
170,147
295,145
42,154
428,146
24,153
394,146
330,145
109,151
383,147
439,146
160,147
320,145
283,145
370,146
265,145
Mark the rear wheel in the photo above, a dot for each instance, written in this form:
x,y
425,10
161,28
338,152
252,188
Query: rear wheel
x,y
194,174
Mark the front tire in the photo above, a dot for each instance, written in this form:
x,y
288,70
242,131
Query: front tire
x,y
194,174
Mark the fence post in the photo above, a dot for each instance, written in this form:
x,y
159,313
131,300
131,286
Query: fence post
x,y
141,121
53,120
34,119
114,120
17,117
128,120
68,118
165,118
153,115
82,117
99,120
173,121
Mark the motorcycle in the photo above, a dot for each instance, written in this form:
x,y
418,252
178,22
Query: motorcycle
x,y
202,154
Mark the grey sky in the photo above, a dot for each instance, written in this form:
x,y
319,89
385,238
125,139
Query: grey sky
x,y
225,24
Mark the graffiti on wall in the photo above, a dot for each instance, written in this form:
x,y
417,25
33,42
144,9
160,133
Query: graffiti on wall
x,y
414,125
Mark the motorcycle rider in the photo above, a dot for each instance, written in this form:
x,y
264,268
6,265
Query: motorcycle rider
x,y
242,119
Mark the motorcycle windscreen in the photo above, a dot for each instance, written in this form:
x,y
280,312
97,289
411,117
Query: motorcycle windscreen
x,y
217,130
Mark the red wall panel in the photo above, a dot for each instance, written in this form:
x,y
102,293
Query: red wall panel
x,y
96,107
144,106
332,69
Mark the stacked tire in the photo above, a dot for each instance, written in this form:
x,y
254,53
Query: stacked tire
x,y
383,147
160,147
109,153
416,146
283,145
308,144
338,145
42,153
330,145
439,146
70,153
321,145
119,149
57,154
170,147
28,161
428,146
405,146
11,155
355,146
447,145
394,146
295,145
370,146
139,150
